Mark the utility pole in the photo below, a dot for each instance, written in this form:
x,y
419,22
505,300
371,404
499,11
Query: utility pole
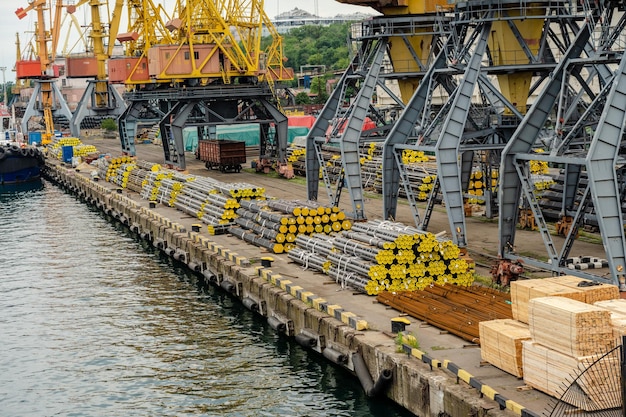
x,y
4,86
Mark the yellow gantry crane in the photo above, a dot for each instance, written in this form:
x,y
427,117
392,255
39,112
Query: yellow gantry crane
x,y
100,99
205,66
205,41
47,98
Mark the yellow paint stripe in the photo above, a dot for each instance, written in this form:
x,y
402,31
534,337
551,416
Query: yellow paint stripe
x,y
305,295
488,392
361,325
464,375
515,407
331,309
294,290
345,317
317,302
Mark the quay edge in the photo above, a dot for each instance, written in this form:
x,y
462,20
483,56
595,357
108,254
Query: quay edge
x,y
425,390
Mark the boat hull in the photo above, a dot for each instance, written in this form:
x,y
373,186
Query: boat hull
x,y
20,164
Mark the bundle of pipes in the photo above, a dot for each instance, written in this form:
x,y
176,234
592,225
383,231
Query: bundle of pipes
x,y
379,256
79,149
253,238
421,169
455,309
282,221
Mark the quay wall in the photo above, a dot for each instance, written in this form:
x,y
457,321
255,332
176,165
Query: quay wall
x,y
423,386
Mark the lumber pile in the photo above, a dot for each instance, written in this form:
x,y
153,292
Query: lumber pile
x,y
593,291
617,307
522,291
501,344
568,339
551,371
567,314
570,326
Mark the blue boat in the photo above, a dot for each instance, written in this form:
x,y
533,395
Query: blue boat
x,y
20,163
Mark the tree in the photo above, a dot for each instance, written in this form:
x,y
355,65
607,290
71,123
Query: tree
x,y
108,124
303,98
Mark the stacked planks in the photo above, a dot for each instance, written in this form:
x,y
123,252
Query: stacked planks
x,y
522,291
501,344
617,307
551,371
569,326
592,291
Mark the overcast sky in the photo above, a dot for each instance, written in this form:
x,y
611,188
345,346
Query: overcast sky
x,y
10,24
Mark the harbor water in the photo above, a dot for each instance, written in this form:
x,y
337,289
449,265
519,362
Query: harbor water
x,y
96,323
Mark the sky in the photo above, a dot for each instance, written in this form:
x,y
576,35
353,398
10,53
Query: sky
x,y
10,24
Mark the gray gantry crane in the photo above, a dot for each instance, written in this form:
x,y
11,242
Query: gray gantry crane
x,y
509,69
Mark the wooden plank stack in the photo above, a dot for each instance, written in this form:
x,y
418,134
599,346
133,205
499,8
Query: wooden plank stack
x,y
522,291
617,307
593,291
570,326
552,372
501,344
559,326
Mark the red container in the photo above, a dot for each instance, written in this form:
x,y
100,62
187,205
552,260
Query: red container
x,y
28,69
227,155
132,69
81,66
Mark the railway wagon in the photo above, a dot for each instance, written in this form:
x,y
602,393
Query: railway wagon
x,y
225,155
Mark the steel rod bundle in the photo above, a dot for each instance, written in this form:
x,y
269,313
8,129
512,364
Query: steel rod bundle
x,y
455,309
253,238
348,279
391,257
309,259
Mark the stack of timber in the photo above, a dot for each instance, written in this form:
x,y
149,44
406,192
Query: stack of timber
x,y
572,327
501,344
569,338
522,291
455,309
378,256
501,341
617,308
592,291
552,372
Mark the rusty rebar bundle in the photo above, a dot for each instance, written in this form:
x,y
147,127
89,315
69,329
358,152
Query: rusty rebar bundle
x,y
457,310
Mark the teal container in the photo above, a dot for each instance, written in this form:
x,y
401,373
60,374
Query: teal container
x,y
67,153
34,137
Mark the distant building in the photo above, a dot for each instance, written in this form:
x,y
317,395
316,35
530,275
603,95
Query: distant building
x,y
295,18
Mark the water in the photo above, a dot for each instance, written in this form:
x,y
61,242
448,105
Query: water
x,y
96,323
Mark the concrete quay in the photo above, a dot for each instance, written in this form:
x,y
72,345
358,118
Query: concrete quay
x,y
443,377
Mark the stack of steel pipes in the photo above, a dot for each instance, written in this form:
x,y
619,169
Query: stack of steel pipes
x,y
116,170
281,221
421,169
381,256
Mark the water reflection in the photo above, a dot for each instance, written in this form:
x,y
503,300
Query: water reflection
x,y
96,323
